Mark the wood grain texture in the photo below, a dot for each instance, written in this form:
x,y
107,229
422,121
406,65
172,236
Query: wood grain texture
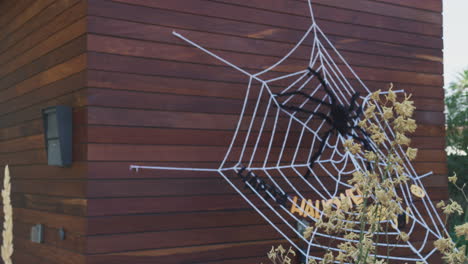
x,y
142,96
432,5
42,63
263,9
49,15
153,100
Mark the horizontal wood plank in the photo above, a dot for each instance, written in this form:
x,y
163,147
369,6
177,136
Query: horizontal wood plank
x,y
121,170
168,136
107,152
70,223
190,254
58,88
51,15
75,99
215,185
432,5
13,10
175,52
34,8
173,204
168,102
101,244
381,8
73,242
147,118
48,253
52,204
194,87
55,41
273,13
68,51
135,30
183,20
44,171
216,72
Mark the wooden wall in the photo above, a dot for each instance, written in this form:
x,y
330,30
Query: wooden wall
x,y
155,100
42,63
142,96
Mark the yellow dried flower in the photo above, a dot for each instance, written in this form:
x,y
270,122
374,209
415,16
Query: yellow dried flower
x,y
308,232
405,108
328,258
376,95
398,169
453,179
395,159
370,110
399,124
452,207
382,196
410,125
272,254
352,147
363,123
378,138
351,236
440,204
373,128
401,139
462,230
391,96
404,236
387,112
402,178
341,257
280,255
444,244
358,177
346,203
370,155
411,153
456,256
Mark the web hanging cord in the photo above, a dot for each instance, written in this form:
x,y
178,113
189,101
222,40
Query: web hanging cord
x,y
311,11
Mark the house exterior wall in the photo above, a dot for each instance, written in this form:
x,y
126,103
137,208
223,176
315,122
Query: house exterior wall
x,y
142,96
153,100
42,64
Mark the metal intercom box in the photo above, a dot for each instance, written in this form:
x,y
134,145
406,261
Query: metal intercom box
x,y
58,135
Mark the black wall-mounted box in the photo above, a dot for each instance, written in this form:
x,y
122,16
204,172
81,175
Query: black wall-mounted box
x,y
58,122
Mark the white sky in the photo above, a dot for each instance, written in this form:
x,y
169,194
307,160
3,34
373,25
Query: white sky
x,y
455,38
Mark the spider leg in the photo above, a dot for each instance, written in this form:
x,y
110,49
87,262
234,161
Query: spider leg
x,y
358,112
317,154
298,109
324,84
361,130
306,96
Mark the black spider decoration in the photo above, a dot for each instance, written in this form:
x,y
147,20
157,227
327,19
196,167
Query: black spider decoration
x,y
340,117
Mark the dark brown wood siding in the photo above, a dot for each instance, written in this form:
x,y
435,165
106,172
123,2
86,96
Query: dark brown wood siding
x,y
155,100
142,96
43,63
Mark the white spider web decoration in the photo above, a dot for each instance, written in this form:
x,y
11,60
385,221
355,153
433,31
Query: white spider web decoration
x,y
276,144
